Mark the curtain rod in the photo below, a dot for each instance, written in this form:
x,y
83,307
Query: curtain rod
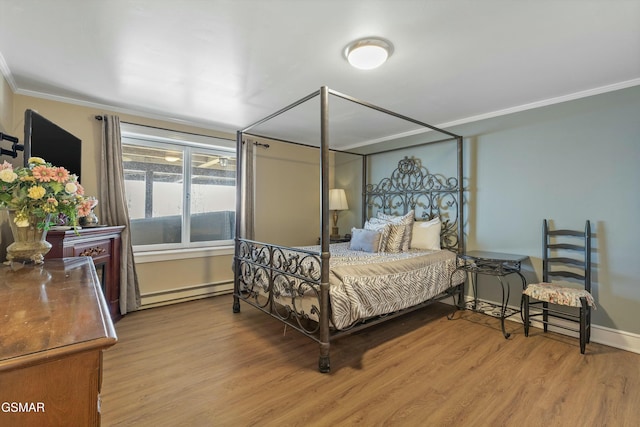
x,y
259,144
99,118
302,144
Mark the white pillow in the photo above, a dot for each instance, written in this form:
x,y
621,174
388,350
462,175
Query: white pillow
x,y
426,234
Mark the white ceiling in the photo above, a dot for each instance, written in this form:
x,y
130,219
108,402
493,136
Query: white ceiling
x,y
226,64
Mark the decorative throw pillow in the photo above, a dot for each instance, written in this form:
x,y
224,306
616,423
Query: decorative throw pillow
x,y
394,235
426,234
407,220
365,240
383,227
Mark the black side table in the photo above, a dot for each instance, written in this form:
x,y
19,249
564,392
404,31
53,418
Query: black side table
x,y
337,239
495,264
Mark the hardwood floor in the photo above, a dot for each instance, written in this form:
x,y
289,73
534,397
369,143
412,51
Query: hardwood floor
x,y
198,364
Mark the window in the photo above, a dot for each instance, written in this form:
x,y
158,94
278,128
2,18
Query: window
x,y
180,188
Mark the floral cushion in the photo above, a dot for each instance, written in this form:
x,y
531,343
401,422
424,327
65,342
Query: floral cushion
x,y
557,294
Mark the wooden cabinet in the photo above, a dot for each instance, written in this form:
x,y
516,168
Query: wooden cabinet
x,y
102,244
54,325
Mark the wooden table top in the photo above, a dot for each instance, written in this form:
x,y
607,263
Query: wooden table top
x,y
51,309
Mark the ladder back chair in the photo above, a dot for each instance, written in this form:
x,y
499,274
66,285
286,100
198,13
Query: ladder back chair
x,y
566,281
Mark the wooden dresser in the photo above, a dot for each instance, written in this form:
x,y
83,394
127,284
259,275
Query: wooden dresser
x,y
102,244
54,325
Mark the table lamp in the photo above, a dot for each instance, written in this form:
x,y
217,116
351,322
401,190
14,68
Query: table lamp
x,y
337,202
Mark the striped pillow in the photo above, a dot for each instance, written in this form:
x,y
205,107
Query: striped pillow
x,y
405,220
384,229
396,238
392,236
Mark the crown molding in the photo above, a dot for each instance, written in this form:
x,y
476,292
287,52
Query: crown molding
x,y
6,73
545,102
517,109
139,113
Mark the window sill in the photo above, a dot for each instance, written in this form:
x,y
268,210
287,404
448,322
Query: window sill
x,y
176,254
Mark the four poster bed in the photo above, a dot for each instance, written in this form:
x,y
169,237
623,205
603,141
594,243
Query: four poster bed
x,y
403,258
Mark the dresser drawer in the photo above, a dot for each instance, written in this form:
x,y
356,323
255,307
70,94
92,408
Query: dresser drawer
x,y
94,249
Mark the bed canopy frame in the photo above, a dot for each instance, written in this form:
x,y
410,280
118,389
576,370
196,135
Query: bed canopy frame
x,y
409,186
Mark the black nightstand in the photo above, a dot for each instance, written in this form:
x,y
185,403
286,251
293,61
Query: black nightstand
x,y
493,264
338,239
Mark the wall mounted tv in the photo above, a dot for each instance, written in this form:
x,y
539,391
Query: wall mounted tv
x,y
43,138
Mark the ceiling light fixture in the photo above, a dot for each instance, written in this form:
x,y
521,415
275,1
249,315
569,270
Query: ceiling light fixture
x,y
368,53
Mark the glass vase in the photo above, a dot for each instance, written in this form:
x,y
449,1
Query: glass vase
x,y
29,240
91,220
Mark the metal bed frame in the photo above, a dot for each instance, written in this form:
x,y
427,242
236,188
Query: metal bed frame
x,y
275,278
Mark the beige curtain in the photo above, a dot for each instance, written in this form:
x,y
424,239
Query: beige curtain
x,y
247,222
113,208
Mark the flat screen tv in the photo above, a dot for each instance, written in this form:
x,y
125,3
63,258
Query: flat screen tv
x,y
43,138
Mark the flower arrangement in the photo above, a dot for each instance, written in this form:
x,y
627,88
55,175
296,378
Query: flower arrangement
x,y
43,191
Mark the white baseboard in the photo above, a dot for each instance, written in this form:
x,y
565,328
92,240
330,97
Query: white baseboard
x,y
599,334
189,293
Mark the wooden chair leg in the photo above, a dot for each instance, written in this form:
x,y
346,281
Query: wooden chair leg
x,y
583,325
525,309
545,315
588,324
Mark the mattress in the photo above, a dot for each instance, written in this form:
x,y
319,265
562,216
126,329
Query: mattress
x,y
365,285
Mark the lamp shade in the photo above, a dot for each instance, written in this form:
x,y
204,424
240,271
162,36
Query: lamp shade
x,y
337,200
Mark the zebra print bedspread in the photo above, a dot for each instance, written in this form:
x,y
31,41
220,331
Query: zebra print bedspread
x,y
363,285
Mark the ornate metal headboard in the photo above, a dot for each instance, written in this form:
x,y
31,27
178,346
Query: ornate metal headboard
x,y
411,186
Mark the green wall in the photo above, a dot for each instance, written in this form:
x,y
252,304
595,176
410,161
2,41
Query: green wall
x,y
567,162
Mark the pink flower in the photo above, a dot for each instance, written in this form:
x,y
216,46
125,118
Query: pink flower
x,y
60,174
43,173
84,208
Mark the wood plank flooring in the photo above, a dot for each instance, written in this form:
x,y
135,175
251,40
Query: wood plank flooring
x,y
199,364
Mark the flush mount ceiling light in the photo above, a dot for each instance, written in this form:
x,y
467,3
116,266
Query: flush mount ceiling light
x,y
368,53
